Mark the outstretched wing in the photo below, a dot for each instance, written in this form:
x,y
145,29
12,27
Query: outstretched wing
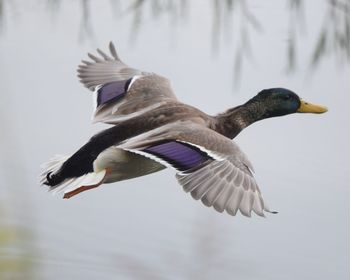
x,y
210,166
122,92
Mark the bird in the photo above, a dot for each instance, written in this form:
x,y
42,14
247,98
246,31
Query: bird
x,y
152,130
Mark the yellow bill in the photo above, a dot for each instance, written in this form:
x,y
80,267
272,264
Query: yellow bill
x,y
306,107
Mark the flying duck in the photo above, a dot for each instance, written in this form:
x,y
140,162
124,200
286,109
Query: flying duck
x,y
151,130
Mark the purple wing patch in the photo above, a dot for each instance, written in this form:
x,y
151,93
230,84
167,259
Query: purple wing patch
x,y
112,91
180,155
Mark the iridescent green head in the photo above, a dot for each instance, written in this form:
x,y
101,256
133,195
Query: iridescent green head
x,y
276,102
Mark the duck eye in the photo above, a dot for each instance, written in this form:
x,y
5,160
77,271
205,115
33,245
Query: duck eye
x,y
287,97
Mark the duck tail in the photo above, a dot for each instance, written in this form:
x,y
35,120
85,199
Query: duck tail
x,y
52,177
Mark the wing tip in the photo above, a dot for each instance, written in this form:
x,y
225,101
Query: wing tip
x,y
113,50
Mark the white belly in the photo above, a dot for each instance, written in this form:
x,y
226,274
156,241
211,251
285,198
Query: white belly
x,y
123,165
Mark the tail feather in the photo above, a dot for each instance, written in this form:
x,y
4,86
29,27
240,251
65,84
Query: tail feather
x,y
52,166
69,186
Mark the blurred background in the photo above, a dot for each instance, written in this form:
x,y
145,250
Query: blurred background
x,y
218,54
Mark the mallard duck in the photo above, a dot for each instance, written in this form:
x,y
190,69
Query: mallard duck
x,y
153,130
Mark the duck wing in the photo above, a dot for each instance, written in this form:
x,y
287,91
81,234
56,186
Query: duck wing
x,y
122,92
209,166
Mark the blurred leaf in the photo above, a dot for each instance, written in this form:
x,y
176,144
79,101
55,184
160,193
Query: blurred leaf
x,y
86,27
2,14
237,68
291,54
295,4
320,48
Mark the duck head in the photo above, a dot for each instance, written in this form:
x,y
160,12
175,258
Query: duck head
x,y
276,102
268,103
